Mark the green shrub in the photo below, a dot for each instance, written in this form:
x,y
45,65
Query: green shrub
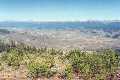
x,y
40,65
37,70
110,60
77,59
93,65
55,52
67,73
13,58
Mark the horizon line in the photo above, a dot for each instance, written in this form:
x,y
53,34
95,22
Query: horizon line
x,y
113,20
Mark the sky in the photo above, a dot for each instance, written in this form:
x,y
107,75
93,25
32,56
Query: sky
x,y
59,10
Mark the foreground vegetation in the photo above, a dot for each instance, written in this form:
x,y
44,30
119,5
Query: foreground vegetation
x,y
69,65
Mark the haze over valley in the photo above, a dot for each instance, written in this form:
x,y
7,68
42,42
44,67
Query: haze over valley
x,y
86,35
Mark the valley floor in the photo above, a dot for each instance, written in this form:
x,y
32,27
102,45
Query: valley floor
x,y
65,39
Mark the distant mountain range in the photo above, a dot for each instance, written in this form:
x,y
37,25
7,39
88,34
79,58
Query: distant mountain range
x,y
104,25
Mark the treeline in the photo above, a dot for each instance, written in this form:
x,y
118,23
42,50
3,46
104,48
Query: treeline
x,y
4,46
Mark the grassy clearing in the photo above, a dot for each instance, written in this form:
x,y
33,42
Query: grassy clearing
x,y
47,63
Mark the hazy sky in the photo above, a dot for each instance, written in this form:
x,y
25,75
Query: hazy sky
x,y
59,10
